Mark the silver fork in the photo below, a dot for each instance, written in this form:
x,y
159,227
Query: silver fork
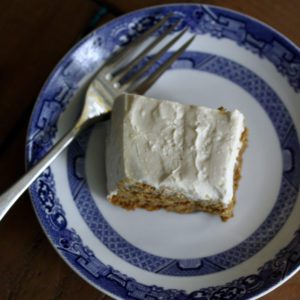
x,y
108,83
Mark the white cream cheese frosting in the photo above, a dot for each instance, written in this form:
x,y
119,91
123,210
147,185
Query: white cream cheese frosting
x,y
182,148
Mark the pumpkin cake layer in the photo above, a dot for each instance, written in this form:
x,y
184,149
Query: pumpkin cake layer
x,y
165,155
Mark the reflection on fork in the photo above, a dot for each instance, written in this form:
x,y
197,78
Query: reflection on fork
x,y
110,81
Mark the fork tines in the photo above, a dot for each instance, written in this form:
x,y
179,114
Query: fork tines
x,y
119,76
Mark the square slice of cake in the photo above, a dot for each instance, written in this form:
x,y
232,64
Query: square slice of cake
x,y
165,155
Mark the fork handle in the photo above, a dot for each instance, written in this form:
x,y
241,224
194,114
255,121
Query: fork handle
x,y
9,197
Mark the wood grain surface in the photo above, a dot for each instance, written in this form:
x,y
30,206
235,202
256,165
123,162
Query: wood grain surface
x,y
34,35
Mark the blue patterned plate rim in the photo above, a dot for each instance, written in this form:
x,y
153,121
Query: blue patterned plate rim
x,y
179,294
262,23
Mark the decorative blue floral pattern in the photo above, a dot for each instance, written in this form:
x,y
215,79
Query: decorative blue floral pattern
x,y
263,43
71,247
62,84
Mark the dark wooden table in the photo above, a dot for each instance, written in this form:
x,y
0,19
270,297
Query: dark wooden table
x,y
35,34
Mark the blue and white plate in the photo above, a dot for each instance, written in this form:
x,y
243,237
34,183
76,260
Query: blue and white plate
x,y
235,62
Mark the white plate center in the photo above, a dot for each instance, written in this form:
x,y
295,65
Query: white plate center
x,y
196,235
